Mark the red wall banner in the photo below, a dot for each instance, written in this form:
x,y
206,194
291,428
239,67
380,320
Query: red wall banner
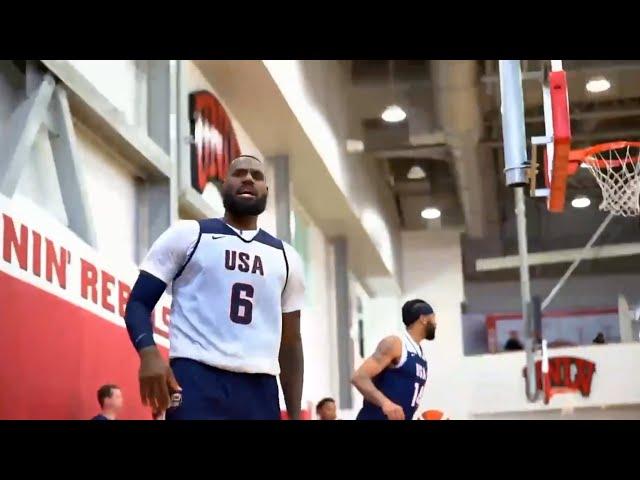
x,y
54,356
62,331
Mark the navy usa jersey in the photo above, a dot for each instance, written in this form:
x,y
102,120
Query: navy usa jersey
x,y
403,383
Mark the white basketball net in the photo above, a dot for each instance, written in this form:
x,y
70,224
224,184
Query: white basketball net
x,y
618,174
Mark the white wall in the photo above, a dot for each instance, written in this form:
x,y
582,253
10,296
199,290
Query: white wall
x,y
432,271
110,186
318,319
498,384
382,317
197,81
317,93
122,83
111,193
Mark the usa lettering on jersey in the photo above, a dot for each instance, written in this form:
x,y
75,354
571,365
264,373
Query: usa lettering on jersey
x,y
243,261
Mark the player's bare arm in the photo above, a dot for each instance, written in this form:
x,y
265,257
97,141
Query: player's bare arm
x,y
291,363
156,379
387,353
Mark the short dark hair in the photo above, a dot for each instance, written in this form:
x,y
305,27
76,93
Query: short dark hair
x,y
412,310
323,402
407,314
106,391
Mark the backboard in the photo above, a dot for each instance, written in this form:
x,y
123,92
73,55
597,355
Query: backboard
x,y
626,317
615,165
557,137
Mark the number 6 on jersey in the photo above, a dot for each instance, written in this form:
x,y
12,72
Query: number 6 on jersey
x,y
241,309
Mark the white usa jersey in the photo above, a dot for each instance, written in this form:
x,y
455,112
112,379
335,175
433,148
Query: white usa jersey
x,y
230,289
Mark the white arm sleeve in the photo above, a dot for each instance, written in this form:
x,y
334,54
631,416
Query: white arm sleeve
x,y
293,294
170,251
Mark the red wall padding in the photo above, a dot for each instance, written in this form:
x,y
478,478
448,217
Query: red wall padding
x,y
55,355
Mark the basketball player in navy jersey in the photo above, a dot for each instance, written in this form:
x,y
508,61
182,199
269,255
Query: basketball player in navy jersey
x,y
392,380
235,313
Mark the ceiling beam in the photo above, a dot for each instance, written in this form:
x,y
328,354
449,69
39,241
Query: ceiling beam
x,y
627,134
537,74
438,152
595,115
558,256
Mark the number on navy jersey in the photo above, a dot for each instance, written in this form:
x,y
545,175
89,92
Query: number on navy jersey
x,y
417,394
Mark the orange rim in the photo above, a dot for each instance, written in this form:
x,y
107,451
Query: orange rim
x,y
576,157
582,154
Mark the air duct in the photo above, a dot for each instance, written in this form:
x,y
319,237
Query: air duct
x,y
457,102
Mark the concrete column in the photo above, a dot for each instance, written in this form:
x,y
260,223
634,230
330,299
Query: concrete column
x,y
343,316
156,200
282,185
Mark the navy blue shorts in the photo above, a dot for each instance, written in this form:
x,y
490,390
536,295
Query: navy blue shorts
x,y
371,414
209,393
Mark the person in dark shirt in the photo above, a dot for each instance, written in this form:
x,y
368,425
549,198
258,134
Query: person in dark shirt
x,y
514,342
326,409
110,400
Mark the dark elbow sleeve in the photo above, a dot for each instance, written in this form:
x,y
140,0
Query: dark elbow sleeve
x,y
143,298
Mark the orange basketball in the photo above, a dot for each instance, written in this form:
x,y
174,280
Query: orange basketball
x,y
432,415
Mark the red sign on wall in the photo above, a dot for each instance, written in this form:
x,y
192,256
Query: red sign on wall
x,y
566,374
214,143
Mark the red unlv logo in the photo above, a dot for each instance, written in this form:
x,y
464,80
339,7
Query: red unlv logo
x,y
214,141
566,374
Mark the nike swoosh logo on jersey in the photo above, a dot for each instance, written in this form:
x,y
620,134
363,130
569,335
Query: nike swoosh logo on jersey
x,y
217,238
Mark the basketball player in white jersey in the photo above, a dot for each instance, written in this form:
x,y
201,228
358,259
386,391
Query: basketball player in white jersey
x,y
235,315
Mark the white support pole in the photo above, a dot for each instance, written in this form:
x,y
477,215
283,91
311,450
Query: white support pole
x,y
525,291
556,65
521,218
576,262
516,165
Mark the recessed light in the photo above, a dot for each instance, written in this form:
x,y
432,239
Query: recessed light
x,y
416,173
598,85
580,202
393,114
355,146
430,213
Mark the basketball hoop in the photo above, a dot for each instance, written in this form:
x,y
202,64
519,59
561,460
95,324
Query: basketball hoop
x,y
616,168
